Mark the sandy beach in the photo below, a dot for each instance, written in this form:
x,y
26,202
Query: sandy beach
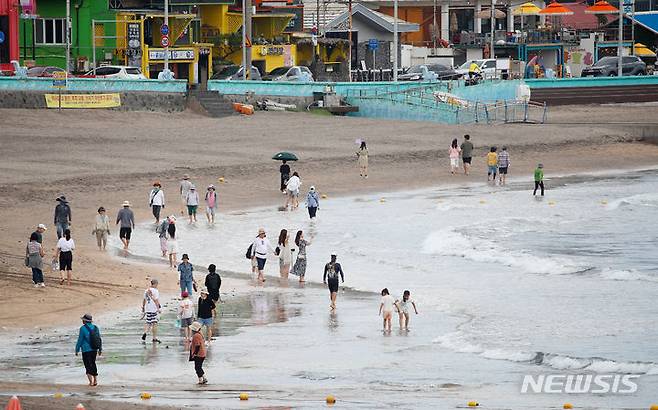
x,y
101,158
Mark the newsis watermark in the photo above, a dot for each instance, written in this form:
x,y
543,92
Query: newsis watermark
x,y
580,383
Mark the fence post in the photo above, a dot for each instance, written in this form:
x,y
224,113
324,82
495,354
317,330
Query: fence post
x,y
543,117
476,111
525,114
486,113
505,111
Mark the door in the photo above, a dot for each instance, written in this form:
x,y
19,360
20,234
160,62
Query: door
x,y
627,65
203,71
4,37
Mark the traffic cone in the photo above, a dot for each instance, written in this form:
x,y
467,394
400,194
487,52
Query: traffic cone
x,y
14,404
79,407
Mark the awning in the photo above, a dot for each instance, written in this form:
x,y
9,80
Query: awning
x,y
647,19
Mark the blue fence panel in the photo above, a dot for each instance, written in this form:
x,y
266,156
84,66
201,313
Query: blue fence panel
x,y
592,81
94,85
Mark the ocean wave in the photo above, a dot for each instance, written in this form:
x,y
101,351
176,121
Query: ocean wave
x,y
452,243
648,199
627,275
456,342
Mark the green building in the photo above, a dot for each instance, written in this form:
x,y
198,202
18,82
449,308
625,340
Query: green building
x,y
43,40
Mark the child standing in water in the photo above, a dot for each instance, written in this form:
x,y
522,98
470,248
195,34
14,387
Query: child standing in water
x,y
453,152
403,309
492,162
386,309
539,179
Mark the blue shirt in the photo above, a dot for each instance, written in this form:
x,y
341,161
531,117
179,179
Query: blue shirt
x,y
312,200
84,338
185,270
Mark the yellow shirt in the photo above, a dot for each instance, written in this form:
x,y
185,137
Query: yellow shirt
x,y
473,68
492,159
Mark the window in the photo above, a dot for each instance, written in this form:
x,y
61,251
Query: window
x,y
135,70
107,71
50,31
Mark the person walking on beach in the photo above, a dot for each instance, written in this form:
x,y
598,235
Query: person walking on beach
x,y
212,283
34,254
362,159
161,230
172,241
467,153
192,203
503,165
539,179
492,164
91,345
157,200
41,228
205,312
330,278
185,185
101,229
151,309
259,250
284,169
386,309
186,313
453,153
126,218
292,186
186,275
211,203
312,202
62,218
64,251
285,253
300,263
404,310
198,351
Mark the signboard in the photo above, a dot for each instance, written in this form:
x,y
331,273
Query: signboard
x,y
134,38
373,44
174,54
83,100
201,2
2,37
59,79
164,30
165,41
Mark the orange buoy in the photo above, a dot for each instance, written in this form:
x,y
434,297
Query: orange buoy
x,y
14,404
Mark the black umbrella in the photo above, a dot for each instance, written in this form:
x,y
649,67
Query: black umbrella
x,y
285,156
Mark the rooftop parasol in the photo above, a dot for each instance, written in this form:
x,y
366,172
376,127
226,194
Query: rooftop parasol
x,y
643,51
602,7
285,156
526,9
556,9
486,14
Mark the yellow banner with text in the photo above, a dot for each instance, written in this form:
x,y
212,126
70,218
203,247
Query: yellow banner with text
x,y
83,100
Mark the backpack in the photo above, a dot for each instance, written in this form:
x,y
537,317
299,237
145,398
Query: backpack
x,y
249,249
95,341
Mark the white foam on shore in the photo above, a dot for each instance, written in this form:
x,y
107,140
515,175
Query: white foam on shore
x,y
648,199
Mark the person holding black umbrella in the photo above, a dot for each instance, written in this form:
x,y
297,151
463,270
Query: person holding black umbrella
x,y
284,169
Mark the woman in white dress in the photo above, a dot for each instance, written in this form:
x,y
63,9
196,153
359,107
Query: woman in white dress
x,y
172,241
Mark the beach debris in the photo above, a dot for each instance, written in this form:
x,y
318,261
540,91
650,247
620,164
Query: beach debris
x,y
244,396
14,404
220,180
246,109
653,407
79,407
567,406
473,404
551,203
331,399
482,201
58,395
604,202
271,105
324,196
145,396
382,200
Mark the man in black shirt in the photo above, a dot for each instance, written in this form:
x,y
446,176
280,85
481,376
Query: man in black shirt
x,y
213,283
206,306
284,169
331,272
62,218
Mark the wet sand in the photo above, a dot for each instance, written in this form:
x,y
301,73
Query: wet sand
x,y
103,158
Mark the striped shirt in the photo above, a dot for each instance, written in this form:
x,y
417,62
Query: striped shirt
x,y
503,159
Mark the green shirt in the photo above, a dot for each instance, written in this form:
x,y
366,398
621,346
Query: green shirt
x,y
467,149
539,174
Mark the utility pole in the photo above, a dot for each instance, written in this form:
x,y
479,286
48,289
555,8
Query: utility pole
x,y
349,39
317,17
249,38
68,36
166,49
395,41
620,44
434,27
493,29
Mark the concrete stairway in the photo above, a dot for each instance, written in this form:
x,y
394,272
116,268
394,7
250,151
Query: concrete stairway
x,y
210,103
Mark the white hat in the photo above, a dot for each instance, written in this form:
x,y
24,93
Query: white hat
x,y
195,326
203,290
211,186
193,187
312,188
126,203
42,226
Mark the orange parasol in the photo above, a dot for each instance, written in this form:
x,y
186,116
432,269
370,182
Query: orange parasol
x,y
602,7
556,9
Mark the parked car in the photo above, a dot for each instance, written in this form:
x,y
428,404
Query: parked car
x,y
43,71
487,67
234,72
294,73
607,66
429,72
120,72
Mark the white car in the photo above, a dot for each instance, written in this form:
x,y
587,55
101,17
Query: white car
x,y
294,73
120,72
487,67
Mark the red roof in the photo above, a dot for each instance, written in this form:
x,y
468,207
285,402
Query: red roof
x,y
580,20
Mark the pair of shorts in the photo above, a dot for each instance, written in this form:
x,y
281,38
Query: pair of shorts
x,y
186,322
210,211
156,210
502,170
125,233
466,160
493,169
454,162
191,209
205,322
89,360
66,260
333,285
261,263
387,314
152,318
293,194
